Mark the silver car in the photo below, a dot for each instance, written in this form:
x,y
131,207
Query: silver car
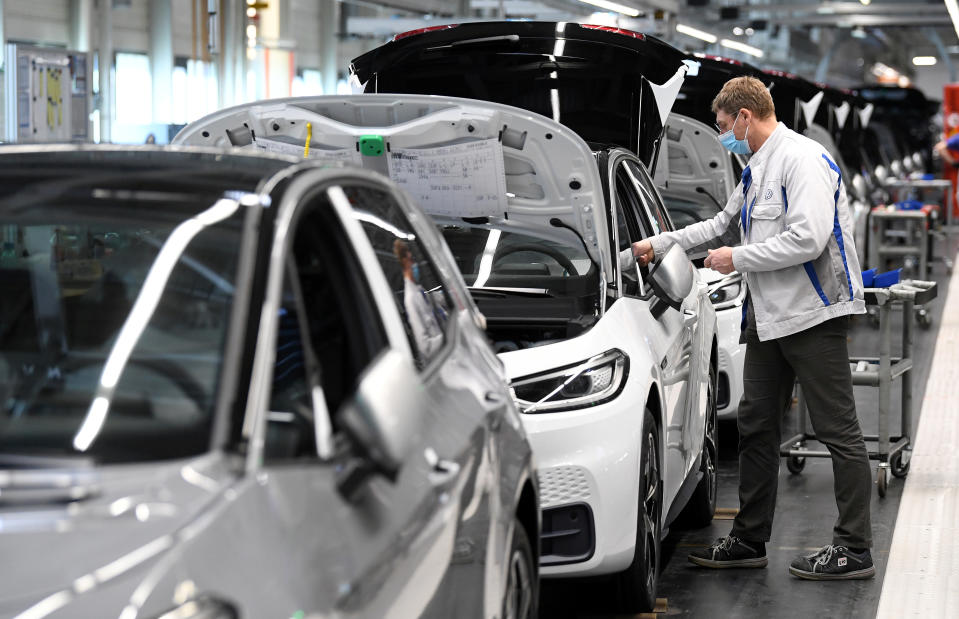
x,y
239,385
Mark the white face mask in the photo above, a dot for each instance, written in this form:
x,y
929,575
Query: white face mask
x,y
728,140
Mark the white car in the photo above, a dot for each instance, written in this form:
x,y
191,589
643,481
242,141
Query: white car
x,y
613,367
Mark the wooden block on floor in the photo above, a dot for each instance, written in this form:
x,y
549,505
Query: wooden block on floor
x,y
725,513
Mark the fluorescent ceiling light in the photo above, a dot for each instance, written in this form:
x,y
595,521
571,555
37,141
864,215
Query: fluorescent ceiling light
x,y
954,14
742,47
865,2
613,6
924,61
695,33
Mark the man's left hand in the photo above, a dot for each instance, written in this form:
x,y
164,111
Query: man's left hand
x,y
720,260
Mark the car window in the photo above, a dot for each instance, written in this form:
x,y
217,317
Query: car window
x,y
420,295
114,317
630,225
328,333
660,219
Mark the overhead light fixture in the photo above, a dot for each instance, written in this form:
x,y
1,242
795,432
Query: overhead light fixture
x,y
865,2
923,61
858,33
696,33
750,32
742,47
613,6
738,31
953,9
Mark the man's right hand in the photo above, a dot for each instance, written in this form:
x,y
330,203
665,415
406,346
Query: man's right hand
x,y
643,252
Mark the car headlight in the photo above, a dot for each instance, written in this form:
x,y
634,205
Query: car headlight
x,y
727,292
580,385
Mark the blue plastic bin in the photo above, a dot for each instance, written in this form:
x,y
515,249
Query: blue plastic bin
x,y
884,280
867,278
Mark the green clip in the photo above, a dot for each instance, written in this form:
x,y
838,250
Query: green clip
x,y
372,145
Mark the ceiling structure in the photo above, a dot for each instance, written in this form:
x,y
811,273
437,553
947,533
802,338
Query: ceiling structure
x,y
842,42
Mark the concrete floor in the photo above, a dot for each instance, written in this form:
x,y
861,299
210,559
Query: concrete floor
x,y
805,514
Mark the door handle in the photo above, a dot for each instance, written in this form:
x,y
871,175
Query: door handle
x,y
442,472
493,398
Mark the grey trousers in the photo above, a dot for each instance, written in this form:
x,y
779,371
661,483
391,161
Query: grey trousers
x,y
818,357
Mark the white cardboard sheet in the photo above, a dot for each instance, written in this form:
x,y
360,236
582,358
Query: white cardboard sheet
x,y
462,180
346,155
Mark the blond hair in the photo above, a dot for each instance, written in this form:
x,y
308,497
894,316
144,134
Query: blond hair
x,y
744,92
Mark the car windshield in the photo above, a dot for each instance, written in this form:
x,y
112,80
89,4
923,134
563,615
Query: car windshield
x,y
501,259
113,320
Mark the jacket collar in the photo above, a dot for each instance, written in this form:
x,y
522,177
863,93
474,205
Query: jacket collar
x,y
760,156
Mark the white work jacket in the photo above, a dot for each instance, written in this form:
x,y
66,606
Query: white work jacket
x,y
798,254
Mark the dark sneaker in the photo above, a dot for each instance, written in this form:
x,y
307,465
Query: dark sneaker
x,y
834,563
730,551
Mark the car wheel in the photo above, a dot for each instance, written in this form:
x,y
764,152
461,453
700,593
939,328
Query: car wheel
x,y
636,587
701,507
521,597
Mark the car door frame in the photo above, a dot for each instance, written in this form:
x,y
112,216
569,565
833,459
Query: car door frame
x,y
696,309
674,418
304,187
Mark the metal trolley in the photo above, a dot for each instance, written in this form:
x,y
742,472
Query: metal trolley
x,y
893,453
905,237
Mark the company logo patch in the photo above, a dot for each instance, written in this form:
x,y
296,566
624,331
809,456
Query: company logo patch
x,y
768,195
842,561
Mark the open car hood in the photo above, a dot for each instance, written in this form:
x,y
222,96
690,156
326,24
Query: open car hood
x,y
457,158
706,77
609,85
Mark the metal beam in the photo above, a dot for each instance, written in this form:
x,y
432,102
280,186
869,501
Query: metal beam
x,y
850,21
846,8
105,66
943,52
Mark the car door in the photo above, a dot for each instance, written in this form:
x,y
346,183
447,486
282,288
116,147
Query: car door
x,y
696,312
348,537
671,334
470,400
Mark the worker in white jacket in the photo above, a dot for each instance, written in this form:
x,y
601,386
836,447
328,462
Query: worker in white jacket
x,y
803,280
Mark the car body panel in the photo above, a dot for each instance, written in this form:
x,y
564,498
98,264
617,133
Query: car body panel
x,y
278,538
551,68
541,167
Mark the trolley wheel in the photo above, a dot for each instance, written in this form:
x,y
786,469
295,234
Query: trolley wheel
x,y
795,464
924,318
873,317
899,469
882,480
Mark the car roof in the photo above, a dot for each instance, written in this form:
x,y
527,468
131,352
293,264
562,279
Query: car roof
x,y
30,173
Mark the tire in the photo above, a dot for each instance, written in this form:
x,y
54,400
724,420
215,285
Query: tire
x,y
701,508
635,588
796,464
899,470
521,599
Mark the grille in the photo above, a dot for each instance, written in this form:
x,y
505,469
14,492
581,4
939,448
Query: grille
x,y
559,485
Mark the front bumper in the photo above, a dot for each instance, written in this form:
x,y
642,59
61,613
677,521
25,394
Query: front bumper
x,y
588,464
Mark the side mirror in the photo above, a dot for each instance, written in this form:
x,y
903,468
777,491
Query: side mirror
x,y
671,279
382,418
